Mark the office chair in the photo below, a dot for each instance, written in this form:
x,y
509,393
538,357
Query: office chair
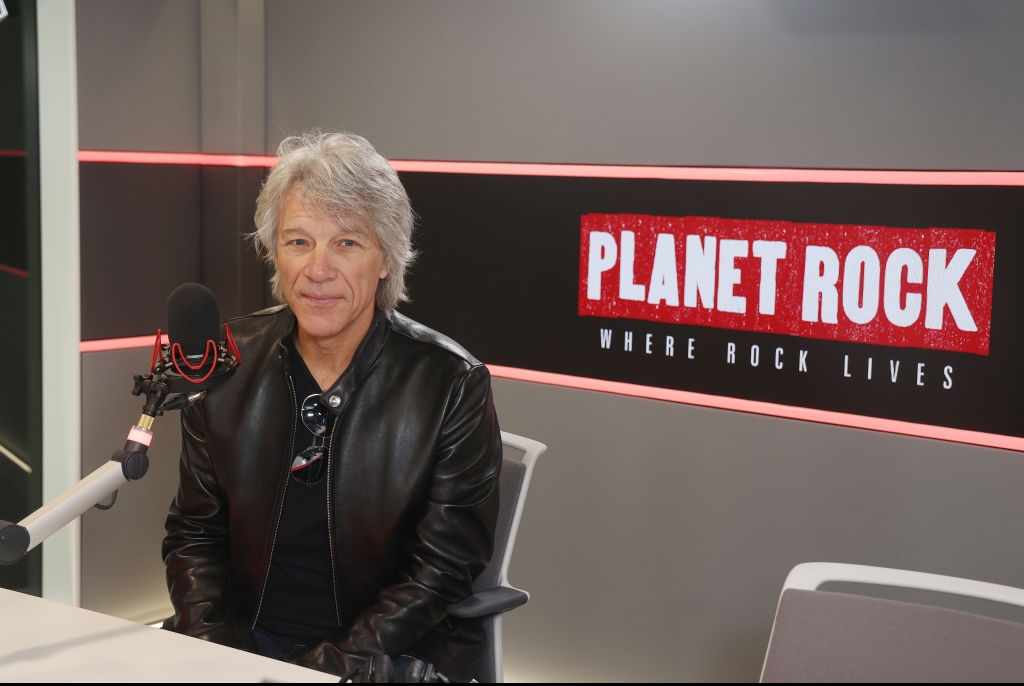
x,y
493,595
824,636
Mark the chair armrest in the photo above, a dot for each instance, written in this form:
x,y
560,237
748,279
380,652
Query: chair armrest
x,y
489,602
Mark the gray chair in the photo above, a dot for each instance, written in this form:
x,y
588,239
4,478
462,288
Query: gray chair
x,y
864,634
493,595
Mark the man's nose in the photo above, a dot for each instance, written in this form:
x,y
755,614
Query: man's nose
x,y
320,266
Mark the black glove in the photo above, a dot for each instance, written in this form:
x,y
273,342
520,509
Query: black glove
x,y
351,667
420,672
376,670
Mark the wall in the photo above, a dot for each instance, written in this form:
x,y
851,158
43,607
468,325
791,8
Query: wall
x,y
656,535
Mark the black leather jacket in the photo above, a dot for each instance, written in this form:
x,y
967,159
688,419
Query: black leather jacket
x,y
416,453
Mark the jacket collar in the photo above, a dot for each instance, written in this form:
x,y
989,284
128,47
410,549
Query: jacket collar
x,y
338,396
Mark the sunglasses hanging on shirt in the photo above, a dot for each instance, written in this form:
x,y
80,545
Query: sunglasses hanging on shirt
x,y
308,466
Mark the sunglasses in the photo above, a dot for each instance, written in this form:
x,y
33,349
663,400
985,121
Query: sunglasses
x,y
308,466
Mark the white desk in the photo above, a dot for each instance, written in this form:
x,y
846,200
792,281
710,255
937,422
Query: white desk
x,y
42,640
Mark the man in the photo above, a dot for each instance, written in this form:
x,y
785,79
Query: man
x,y
342,489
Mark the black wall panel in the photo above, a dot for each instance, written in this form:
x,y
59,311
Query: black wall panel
x,y
146,228
507,250
229,264
139,239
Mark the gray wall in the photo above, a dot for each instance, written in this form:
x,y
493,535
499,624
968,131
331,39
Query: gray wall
x,y
656,535
803,83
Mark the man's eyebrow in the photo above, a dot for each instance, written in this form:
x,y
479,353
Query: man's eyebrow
x,y
343,229
357,228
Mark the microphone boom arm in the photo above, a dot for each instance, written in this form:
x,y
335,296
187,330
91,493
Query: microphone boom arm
x,y
130,463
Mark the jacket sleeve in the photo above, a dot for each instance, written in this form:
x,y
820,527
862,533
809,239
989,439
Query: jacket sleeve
x,y
195,547
450,545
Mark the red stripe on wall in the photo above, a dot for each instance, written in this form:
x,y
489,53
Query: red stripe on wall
x,y
198,159
14,270
689,398
102,345
898,177
756,407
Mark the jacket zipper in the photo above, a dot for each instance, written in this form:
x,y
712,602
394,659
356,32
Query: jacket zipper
x,y
280,505
330,455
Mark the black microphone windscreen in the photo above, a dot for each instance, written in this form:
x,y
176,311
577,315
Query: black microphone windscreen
x,y
193,318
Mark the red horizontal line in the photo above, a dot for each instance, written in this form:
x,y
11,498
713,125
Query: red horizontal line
x,y
894,177
14,270
198,159
770,409
938,178
12,153
105,344
688,398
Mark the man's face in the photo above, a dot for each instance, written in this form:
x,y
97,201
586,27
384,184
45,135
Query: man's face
x,y
329,272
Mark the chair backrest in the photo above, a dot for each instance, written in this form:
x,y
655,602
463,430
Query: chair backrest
x,y
519,457
828,636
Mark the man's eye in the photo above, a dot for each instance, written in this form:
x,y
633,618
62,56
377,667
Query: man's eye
x,y
298,242
348,243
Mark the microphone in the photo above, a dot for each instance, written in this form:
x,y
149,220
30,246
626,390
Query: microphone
x,y
193,360
196,357
193,324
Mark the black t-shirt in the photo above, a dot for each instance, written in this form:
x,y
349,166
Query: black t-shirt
x,y
299,600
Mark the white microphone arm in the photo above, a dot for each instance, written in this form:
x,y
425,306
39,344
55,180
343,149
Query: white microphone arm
x,y
128,464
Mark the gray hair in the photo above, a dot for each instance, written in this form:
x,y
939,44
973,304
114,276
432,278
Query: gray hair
x,y
340,174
